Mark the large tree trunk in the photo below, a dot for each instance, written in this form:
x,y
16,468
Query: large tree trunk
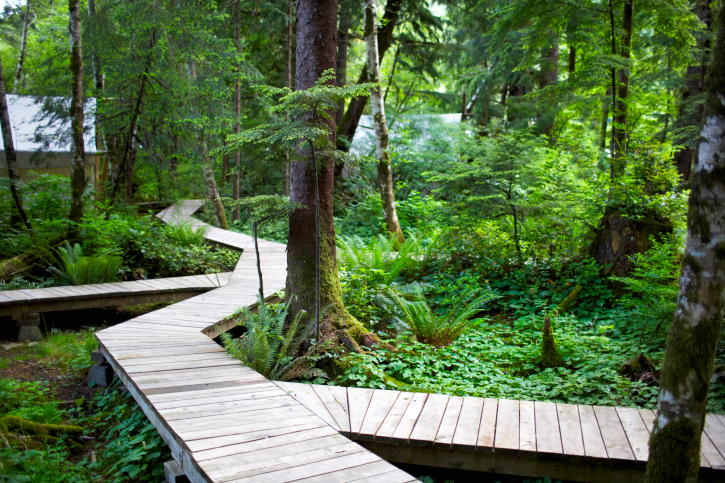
x,y
688,362
689,115
347,127
549,76
620,113
385,174
23,48
237,108
316,53
78,153
10,157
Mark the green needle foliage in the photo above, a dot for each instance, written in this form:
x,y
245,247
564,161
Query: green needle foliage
x,y
427,326
76,269
268,346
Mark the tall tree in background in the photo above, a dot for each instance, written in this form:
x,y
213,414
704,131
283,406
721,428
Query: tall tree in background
x,y
619,124
343,42
382,139
348,125
78,173
694,334
98,91
23,48
236,173
10,156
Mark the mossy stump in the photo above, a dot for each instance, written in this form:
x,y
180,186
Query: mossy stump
x,y
550,356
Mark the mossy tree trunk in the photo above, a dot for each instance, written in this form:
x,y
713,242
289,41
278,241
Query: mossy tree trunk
x,y
619,124
23,48
695,331
236,173
549,75
316,53
78,152
380,124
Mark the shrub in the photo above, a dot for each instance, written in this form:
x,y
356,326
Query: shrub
x,y
267,346
378,258
428,327
186,234
76,269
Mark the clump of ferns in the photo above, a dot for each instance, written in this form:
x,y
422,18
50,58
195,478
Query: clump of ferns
x,y
269,346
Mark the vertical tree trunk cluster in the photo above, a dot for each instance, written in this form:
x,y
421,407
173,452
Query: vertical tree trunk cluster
x,y
99,85
385,173
347,127
10,156
78,174
619,124
549,76
695,331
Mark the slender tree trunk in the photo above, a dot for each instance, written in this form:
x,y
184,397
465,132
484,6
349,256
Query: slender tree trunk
x,y
572,60
343,41
124,159
316,53
78,170
549,75
347,127
100,140
211,188
694,84
619,123
10,156
23,48
385,174
237,107
605,116
689,355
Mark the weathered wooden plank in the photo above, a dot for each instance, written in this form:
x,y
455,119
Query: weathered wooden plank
x,y
469,420
378,409
615,440
527,428
487,429
648,417
572,440
335,400
593,442
548,435
507,427
358,400
449,423
391,421
309,399
716,432
401,434
636,432
426,427
380,470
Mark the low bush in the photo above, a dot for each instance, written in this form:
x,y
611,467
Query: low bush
x,y
185,234
75,269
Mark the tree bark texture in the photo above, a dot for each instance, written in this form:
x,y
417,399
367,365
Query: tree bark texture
x,y
285,178
211,189
572,60
23,48
605,116
382,139
694,85
236,175
347,127
11,159
78,153
620,113
689,355
316,53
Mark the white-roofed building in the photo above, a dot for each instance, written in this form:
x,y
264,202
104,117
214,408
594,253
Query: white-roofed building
x,y
43,142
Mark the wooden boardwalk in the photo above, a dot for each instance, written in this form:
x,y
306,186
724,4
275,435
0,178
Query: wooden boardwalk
x,y
222,421
116,294
563,441
227,423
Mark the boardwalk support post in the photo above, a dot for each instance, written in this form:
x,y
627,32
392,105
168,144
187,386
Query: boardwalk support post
x,y
29,325
174,473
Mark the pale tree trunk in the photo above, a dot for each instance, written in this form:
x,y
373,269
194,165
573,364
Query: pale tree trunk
x,y
211,189
385,174
10,157
237,107
23,48
695,331
78,173
619,124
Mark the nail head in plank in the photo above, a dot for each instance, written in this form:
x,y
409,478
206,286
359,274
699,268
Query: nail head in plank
x,y
487,429
379,407
402,432
507,426
335,400
426,427
358,400
615,440
636,432
449,423
571,431
527,427
593,441
548,434
391,421
469,421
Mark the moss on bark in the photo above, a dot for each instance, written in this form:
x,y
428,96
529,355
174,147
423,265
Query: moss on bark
x,y
675,443
550,356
